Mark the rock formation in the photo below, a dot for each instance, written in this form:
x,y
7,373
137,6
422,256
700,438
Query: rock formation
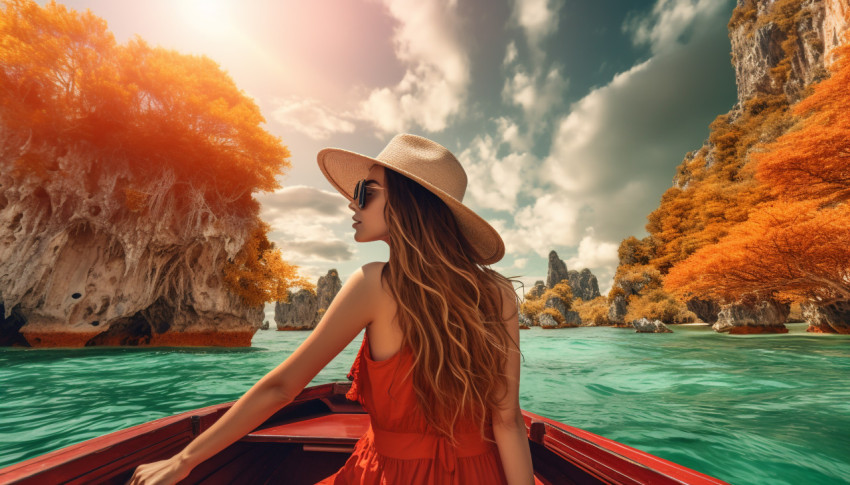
x,y
557,304
705,310
644,325
617,310
327,288
304,309
557,270
265,325
583,284
833,318
92,256
572,319
10,327
536,291
757,48
524,322
127,214
299,313
634,286
548,321
765,316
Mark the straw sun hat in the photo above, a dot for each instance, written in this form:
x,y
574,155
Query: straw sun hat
x,y
427,163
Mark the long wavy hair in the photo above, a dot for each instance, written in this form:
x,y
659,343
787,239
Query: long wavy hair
x,y
449,309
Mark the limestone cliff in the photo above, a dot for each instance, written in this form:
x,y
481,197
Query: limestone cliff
x,y
582,283
127,175
767,35
304,309
779,49
91,256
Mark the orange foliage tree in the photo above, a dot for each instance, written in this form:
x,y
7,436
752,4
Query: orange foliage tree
x,y
814,160
786,251
592,312
66,84
258,274
535,305
720,191
715,187
798,246
657,304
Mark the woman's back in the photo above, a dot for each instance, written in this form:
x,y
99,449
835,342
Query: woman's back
x,y
400,446
385,334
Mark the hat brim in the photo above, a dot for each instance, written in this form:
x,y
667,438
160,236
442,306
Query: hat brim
x,y
344,169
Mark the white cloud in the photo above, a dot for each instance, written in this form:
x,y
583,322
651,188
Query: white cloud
x,y
669,22
300,219
593,253
310,117
510,53
550,222
316,244
508,132
519,263
598,256
538,19
304,201
536,94
494,182
435,82
536,88
615,152
580,156
613,155
519,90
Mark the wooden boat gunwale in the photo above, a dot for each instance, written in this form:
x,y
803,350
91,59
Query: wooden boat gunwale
x,y
108,458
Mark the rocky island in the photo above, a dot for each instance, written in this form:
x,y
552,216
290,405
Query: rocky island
x,y
752,188
126,193
550,304
304,308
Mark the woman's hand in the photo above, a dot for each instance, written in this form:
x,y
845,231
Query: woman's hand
x,y
164,472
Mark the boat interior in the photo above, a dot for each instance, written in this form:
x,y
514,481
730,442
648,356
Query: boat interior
x,y
310,439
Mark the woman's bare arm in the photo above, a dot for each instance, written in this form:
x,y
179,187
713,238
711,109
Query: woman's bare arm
x,y
350,312
508,426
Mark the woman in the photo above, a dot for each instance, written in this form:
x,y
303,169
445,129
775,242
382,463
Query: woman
x,y
438,370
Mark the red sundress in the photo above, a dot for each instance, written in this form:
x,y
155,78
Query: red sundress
x,y
400,447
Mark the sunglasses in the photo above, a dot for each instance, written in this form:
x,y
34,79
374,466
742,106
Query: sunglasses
x,y
360,192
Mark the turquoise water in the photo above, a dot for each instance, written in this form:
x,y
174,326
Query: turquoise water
x,y
746,409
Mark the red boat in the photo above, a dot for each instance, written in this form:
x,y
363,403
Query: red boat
x,y
312,437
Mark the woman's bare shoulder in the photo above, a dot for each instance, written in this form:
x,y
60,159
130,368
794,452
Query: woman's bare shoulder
x,y
374,266
372,275
372,271
510,308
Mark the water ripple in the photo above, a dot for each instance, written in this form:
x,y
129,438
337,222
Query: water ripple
x,y
746,409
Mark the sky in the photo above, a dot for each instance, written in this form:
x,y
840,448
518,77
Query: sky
x,y
569,116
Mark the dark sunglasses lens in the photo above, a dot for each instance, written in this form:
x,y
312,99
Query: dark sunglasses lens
x,y
360,193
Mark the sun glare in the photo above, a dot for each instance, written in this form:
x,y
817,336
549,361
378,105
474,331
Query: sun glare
x,y
208,16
